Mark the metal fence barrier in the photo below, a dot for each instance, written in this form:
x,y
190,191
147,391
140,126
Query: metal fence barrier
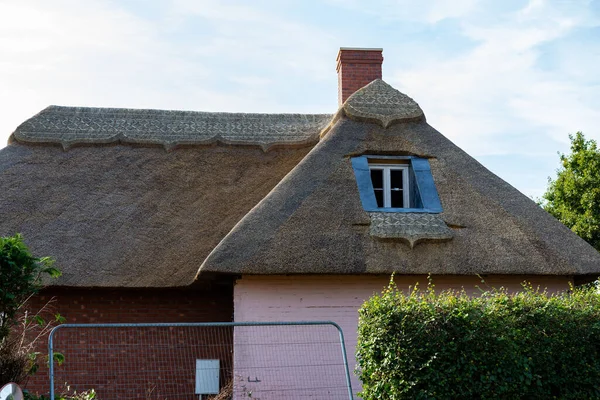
x,y
219,361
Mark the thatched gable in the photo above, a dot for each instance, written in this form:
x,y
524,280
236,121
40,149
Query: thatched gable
x,y
135,215
313,221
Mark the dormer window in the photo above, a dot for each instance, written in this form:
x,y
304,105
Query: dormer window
x,y
396,184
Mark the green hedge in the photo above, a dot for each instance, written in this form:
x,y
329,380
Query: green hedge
x,y
449,345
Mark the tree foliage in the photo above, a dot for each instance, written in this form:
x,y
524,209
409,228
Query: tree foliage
x,y
574,196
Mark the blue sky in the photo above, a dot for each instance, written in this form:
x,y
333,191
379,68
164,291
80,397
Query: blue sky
x,y
505,80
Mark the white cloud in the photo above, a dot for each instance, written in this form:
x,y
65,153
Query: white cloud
x,y
429,11
439,10
98,53
253,34
69,52
476,97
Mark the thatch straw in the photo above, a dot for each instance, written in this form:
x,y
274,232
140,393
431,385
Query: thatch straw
x,y
226,392
124,216
313,221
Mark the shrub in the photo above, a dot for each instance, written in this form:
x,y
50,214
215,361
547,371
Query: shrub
x,y
19,357
14,361
21,278
448,345
20,330
67,395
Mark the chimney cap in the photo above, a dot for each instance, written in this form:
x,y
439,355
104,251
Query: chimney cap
x,y
362,48
353,52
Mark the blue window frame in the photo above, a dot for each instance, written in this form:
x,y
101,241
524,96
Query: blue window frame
x,y
396,184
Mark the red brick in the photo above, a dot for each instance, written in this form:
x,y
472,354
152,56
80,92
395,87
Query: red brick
x,y
357,68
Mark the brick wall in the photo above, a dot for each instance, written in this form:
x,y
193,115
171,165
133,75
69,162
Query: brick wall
x,y
205,304
357,68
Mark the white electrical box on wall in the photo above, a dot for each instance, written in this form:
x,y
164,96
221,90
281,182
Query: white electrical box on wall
x,y
207,376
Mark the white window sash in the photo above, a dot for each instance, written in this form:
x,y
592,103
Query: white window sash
x,y
387,190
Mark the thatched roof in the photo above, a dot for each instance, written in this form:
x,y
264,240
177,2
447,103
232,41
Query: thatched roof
x,y
248,193
136,215
313,221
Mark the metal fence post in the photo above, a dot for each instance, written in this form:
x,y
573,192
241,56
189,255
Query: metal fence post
x,y
51,359
345,357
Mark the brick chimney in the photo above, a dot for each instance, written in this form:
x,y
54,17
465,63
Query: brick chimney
x,y
356,68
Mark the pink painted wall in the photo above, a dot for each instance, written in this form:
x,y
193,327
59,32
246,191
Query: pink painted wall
x,y
329,297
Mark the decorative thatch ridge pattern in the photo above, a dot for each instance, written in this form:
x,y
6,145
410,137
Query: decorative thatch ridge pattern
x,y
413,227
379,102
83,125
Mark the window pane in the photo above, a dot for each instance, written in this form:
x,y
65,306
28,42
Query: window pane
x,y
396,179
379,197
377,178
397,199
